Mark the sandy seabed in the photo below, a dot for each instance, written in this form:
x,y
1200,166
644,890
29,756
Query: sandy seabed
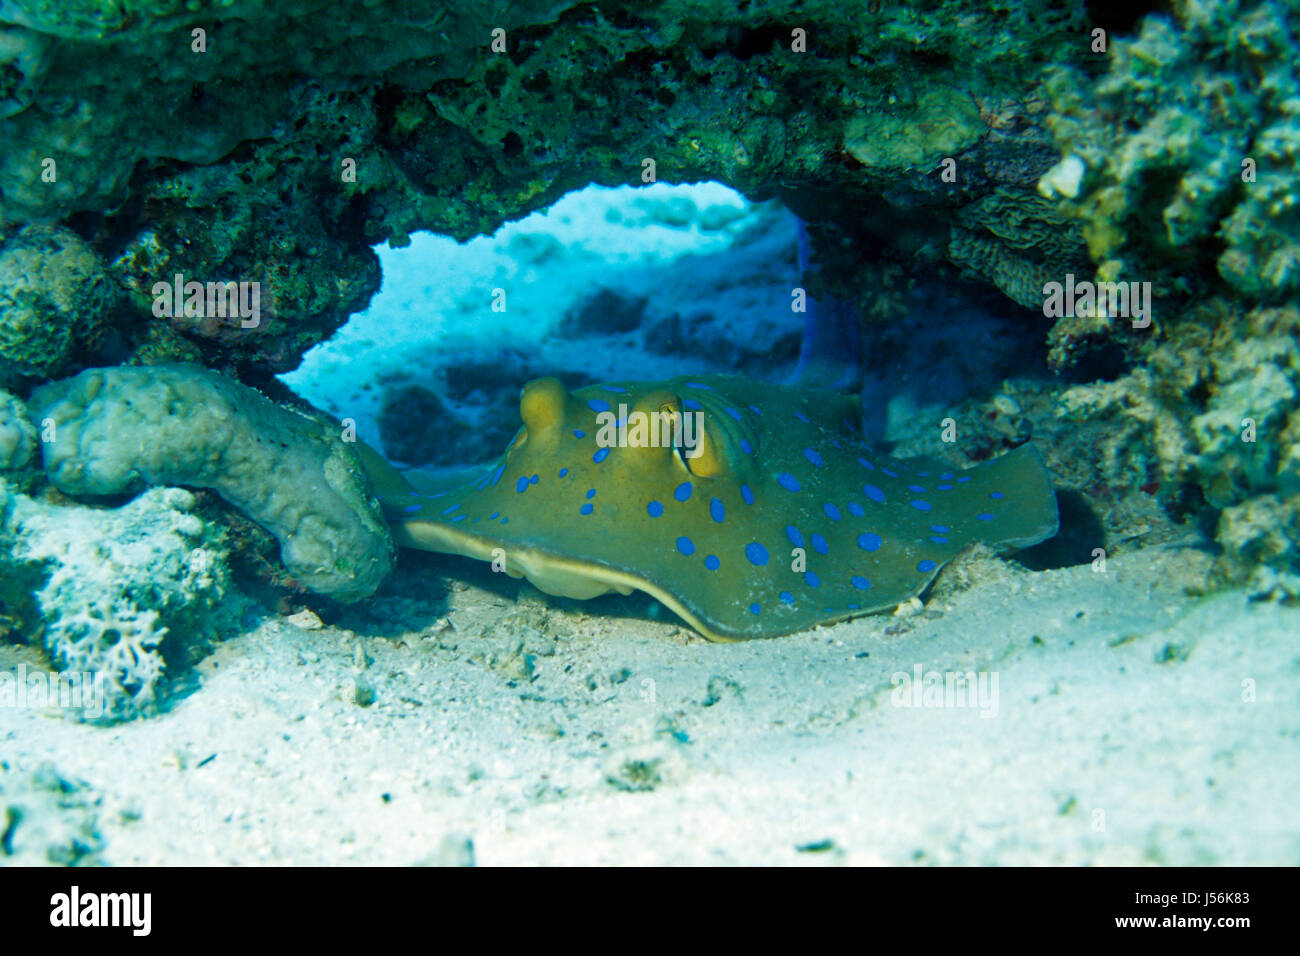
x,y
484,723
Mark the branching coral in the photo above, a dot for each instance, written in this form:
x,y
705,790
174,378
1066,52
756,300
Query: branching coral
x,y
112,589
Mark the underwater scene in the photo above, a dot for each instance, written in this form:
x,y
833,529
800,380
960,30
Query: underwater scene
x,y
711,432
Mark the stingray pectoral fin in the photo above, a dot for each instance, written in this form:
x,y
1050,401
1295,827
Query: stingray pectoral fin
x,y
386,481
1020,477
561,577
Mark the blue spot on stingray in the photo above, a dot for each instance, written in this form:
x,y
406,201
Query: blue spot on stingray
x,y
947,477
856,509
787,481
746,447
683,491
447,511
853,607
812,580
533,480
923,474
598,405
717,510
866,464
831,511
886,471
685,545
940,528
964,478
793,534
601,455
733,413
819,544
861,583
926,566
654,509
505,520
944,487
938,539
869,541
985,517
409,508
691,404
588,508
756,553
754,609
786,597
496,475
747,493
493,516
996,494
563,472
591,492
521,485
872,492
812,456
916,489
802,417
615,388
459,518
579,433
755,409
920,505
712,562
707,388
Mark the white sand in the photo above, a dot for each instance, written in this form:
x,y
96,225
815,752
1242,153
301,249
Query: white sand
x,y
510,731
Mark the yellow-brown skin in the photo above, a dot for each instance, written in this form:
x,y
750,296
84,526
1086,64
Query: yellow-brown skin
x,y
742,576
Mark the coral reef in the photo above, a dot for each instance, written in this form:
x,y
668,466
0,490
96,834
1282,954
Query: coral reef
x,y
299,147
1212,422
112,585
118,429
55,299
17,434
1190,148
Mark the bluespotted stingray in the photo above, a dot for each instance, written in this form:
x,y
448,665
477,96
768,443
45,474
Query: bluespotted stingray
x,y
763,514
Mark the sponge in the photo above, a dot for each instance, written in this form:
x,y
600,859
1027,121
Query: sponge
x,y
115,430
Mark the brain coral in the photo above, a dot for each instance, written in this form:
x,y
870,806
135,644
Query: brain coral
x,y
55,298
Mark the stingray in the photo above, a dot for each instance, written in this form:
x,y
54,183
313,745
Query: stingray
x,y
751,510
